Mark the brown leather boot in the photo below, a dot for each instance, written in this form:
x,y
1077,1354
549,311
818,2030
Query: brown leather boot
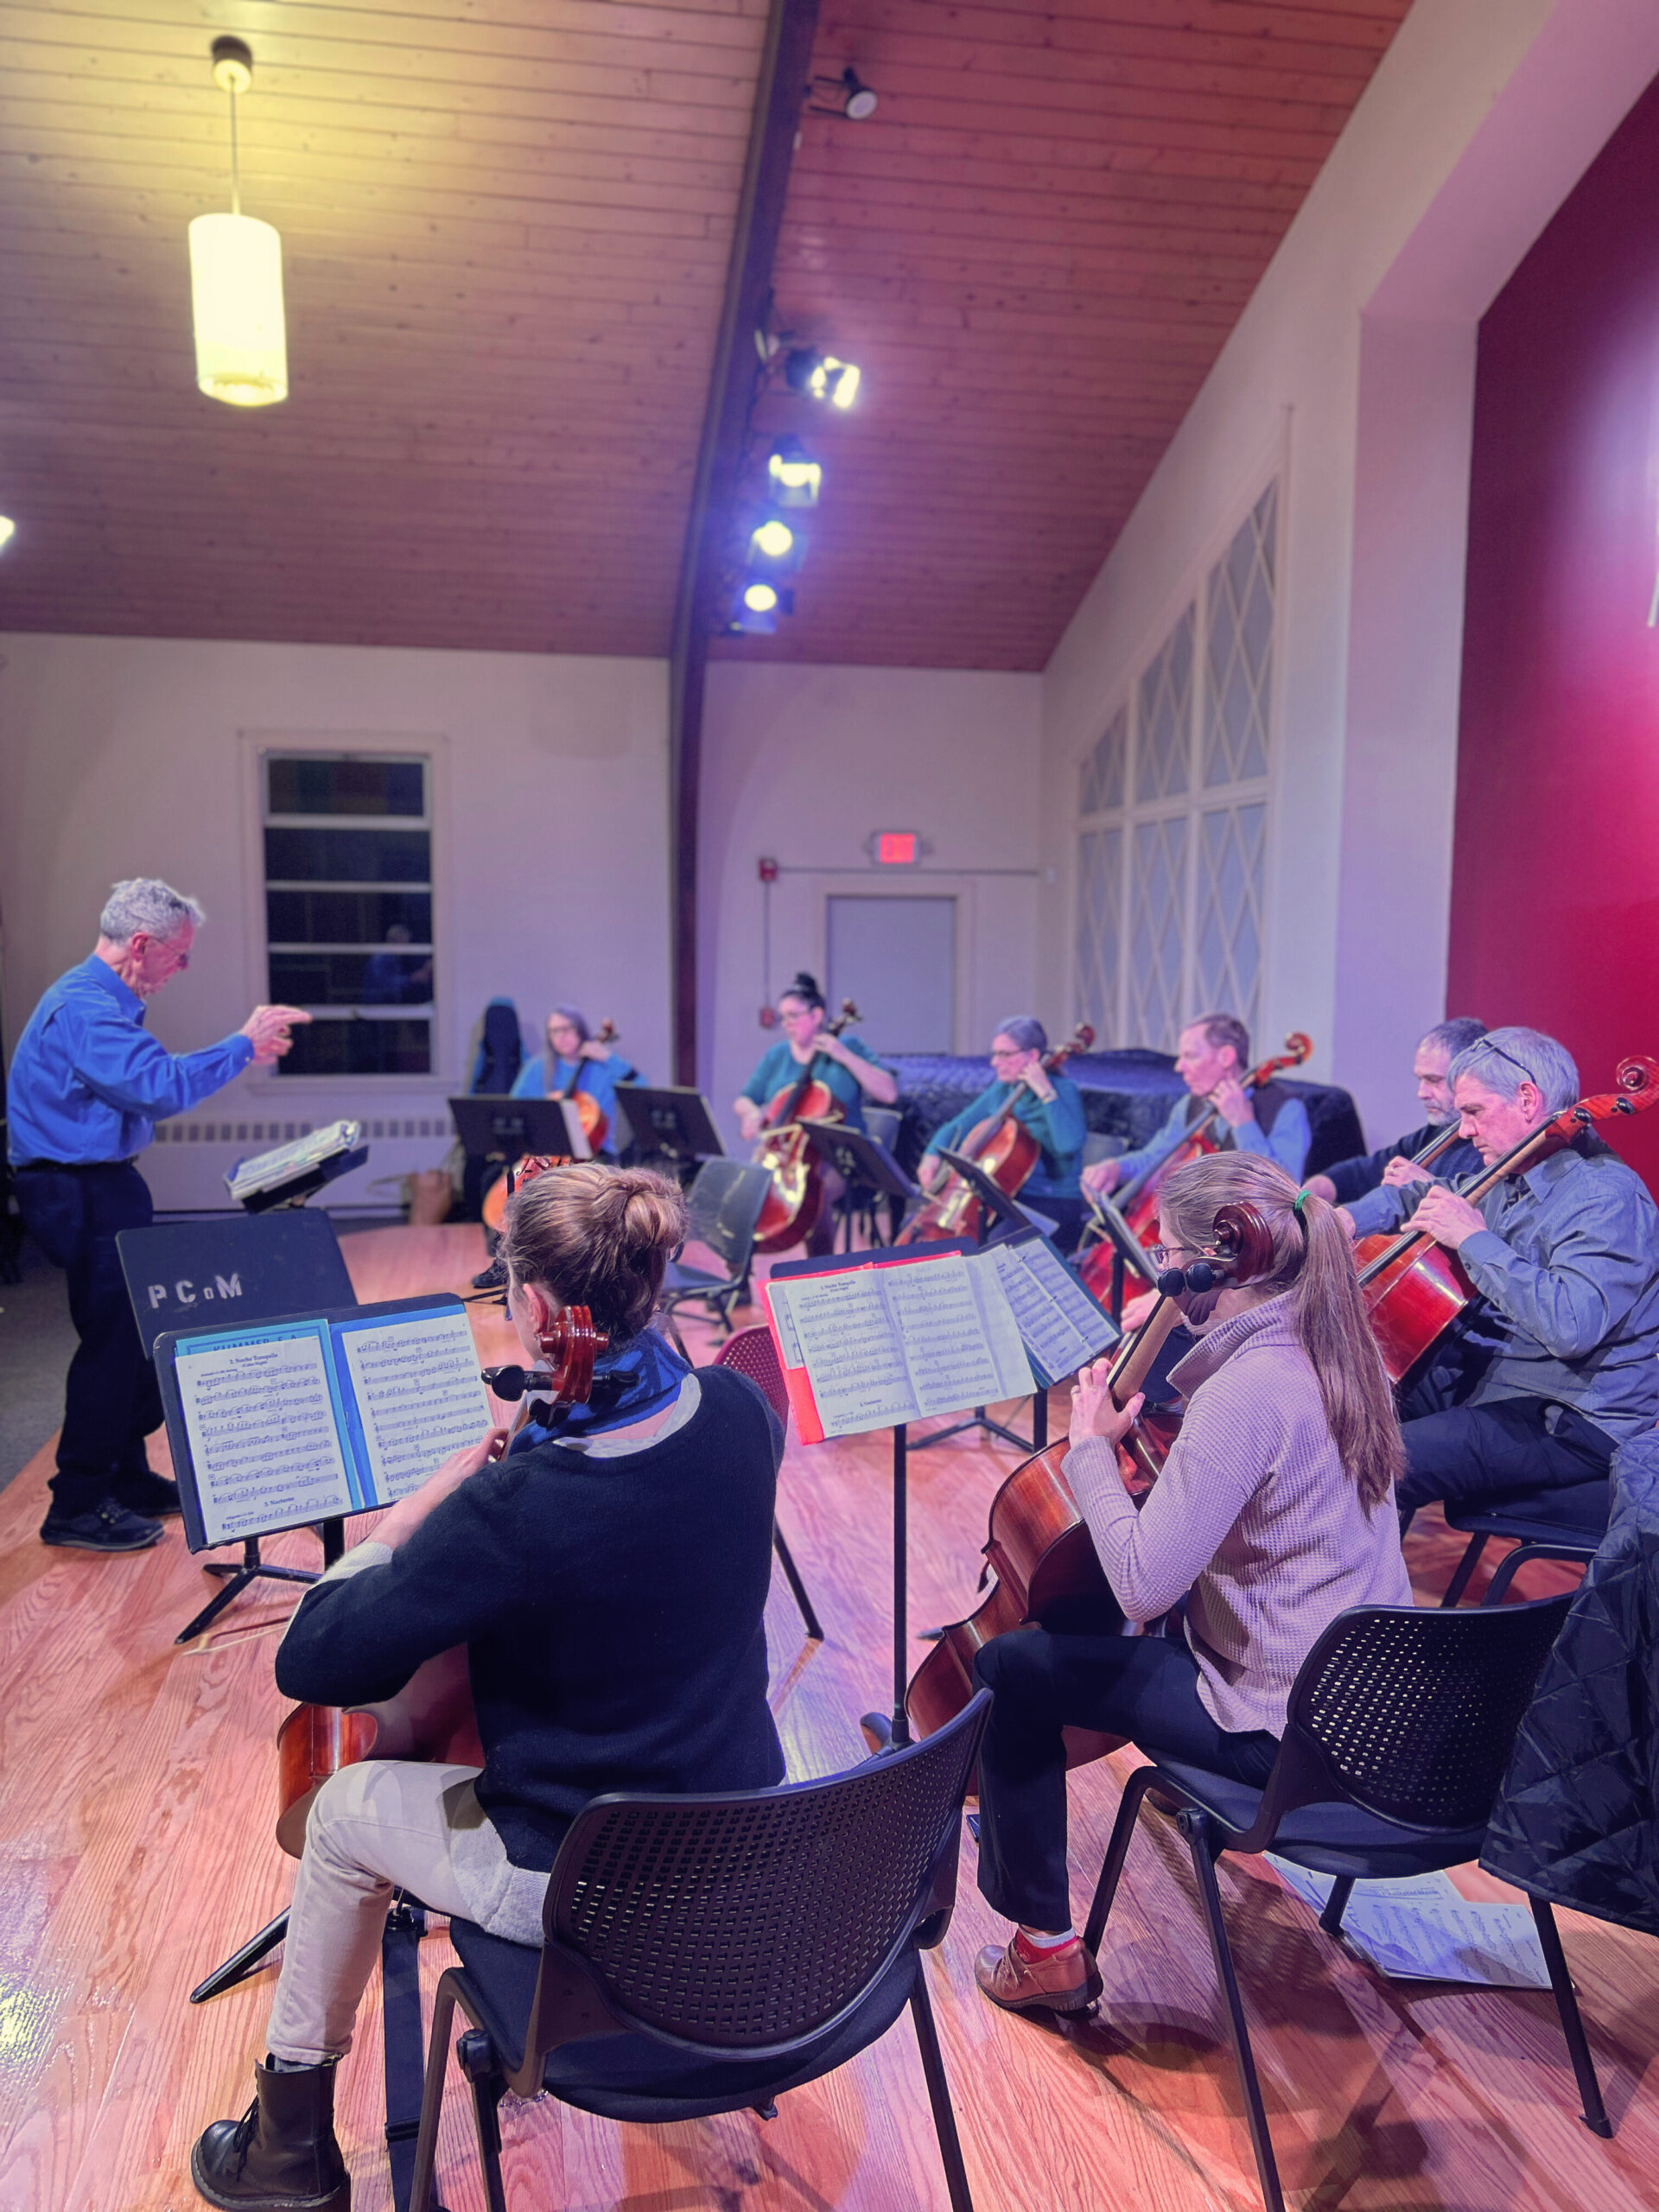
x,y
1066,1980
281,2156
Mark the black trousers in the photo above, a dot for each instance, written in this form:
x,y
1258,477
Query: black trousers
x,y
1471,1456
1143,1686
110,1400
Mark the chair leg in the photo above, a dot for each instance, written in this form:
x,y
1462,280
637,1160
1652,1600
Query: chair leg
x,y
1566,2004
1336,1904
482,2069
1465,1567
437,2057
1198,1832
1116,1851
939,2093
792,1575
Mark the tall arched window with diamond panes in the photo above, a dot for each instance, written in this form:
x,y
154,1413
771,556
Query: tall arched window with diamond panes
x,y
1171,844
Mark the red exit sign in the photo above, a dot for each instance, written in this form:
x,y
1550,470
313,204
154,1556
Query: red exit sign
x,y
896,848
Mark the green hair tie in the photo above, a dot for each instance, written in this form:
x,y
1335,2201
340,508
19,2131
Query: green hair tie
x,y
1299,1202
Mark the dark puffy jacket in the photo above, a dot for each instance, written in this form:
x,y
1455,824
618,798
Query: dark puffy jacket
x,y
1577,1821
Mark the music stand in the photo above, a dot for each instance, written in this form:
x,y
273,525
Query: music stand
x,y
867,1170
248,1267
497,1129
881,1731
1129,1254
670,1122
1007,1215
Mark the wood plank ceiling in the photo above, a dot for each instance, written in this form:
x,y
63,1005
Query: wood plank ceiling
x,y
504,227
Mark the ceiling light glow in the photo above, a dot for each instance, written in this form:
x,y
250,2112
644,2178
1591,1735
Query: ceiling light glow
x,y
236,278
8,530
794,476
759,598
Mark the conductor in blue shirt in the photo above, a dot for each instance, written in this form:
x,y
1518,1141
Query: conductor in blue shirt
x,y
1050,1106
88,1084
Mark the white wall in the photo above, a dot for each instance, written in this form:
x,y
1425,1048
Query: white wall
x,y
800,765
133,757
1355,360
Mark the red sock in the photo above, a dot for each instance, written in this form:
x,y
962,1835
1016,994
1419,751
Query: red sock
x,y
1032,1947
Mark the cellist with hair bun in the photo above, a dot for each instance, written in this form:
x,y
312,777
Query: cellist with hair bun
x,y
606,1577
842,1062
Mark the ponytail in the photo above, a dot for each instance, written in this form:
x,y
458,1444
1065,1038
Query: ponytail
x,y
1313,1260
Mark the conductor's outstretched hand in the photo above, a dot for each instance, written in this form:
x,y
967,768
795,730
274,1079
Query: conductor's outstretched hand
x,y
266,1029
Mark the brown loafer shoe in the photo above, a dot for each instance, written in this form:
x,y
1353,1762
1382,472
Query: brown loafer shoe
x,y
1066,1981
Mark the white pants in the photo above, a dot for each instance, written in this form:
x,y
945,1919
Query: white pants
x,y
380,1824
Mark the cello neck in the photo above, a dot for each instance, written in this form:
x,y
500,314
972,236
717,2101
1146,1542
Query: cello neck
x,y
1442,1142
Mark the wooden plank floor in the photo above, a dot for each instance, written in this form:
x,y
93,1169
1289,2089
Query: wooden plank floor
x,y
137,1815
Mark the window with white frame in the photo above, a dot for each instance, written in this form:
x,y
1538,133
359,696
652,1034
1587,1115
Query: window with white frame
x,y
1172,842
349,909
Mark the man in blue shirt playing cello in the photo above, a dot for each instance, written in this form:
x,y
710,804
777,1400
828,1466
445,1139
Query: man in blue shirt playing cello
x,y
87,1085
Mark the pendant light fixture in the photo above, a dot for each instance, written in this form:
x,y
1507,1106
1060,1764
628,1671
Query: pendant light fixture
x,y
236,278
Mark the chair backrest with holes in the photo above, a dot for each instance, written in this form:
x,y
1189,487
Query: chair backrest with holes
x,y
752,1352
724,1205
745,1923
1413,1712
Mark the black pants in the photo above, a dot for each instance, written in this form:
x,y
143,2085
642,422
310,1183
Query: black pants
x,y
1472,1456
1143,1686
1068,1216
112,1402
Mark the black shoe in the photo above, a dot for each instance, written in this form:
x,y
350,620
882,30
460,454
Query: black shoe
x,y
147,1493
107,1528
494,1277
281,2156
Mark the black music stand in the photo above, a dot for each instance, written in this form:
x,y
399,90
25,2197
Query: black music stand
x,y
866,1168
309,1180
503,1129
880,1730
1129,1254
670,1122
1007,1216
247,1267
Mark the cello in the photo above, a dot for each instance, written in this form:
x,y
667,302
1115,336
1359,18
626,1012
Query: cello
x,y
1413,1288
1002,1147
595,1123
1048,1572
796,1198
1137,1204
432,1716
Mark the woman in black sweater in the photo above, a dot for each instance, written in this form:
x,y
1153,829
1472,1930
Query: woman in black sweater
x,y
606,1579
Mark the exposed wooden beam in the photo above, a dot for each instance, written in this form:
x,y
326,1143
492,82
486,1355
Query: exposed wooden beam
x,y
785,68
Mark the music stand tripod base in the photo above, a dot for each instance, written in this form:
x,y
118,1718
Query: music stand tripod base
x,y
251,1568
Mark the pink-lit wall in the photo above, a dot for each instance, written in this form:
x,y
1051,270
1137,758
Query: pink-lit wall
x,y
1555,866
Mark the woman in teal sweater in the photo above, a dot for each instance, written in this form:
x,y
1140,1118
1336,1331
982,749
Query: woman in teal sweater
x,y
1050,1106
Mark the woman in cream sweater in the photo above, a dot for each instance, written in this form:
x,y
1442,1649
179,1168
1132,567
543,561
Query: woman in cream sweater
x,y
1274,1513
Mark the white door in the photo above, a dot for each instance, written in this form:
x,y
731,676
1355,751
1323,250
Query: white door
x,y
896,959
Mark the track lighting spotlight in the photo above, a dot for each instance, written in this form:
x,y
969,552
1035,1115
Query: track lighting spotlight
x,y
756,604
852,97
760,597
792,476
821,376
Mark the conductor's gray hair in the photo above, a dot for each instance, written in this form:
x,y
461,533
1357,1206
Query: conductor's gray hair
x,y
1505,1059
145,903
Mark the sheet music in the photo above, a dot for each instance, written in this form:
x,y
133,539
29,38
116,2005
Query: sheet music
x,y
419,1395
959,1337
851,1349
1421,1928
789,1341
1060,1324
260,1418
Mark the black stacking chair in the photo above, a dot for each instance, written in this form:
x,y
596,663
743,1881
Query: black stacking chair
x,y
1570,1523
724,1206
752,1352
705,1954
1401,1726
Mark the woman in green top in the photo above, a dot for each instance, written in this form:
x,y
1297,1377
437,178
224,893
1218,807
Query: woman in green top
x,y
845,1065
1050,1106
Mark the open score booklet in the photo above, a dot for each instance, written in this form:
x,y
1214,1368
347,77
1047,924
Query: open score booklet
x,y
289,1421
902,1338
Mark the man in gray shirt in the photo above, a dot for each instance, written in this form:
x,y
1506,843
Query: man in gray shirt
x,y
1552,1364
